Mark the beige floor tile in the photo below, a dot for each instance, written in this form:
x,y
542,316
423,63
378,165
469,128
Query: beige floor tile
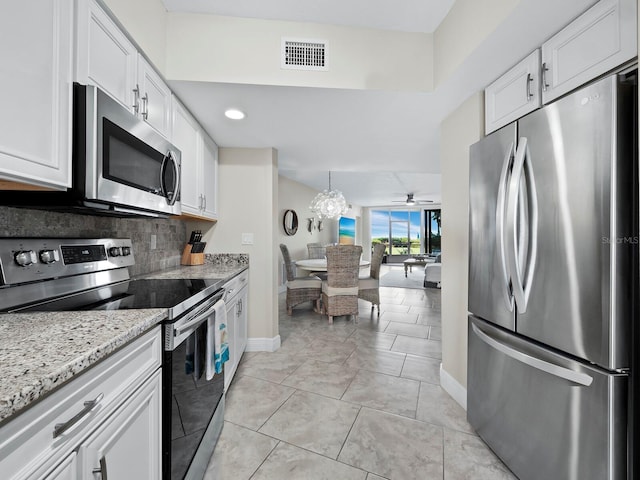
x,y
384,392
321,378
408,329
288,462
376,360
399,317
242,405
394,447
273,367
467,457
435,333
373,339
312,422
238,454
422,368
418,346
437,407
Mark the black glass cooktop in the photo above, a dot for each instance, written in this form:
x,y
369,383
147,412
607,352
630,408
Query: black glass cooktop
x,y
132,294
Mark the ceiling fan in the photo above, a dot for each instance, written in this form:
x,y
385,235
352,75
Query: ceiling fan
x,y
412,201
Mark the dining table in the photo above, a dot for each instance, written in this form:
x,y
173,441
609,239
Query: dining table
x,y
320,264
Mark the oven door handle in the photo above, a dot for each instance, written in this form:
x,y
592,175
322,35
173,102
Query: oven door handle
x,y
195,322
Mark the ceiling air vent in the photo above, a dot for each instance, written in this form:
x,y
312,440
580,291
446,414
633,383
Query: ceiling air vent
x,y
304,54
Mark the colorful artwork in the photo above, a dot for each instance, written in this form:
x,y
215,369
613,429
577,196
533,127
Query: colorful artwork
x,y
347,231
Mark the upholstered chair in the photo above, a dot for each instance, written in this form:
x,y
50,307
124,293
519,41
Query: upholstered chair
x,y
340,289
300,289
369,286
316,250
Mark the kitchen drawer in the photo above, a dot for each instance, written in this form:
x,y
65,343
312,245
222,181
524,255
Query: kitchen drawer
x,y
27,442
234,285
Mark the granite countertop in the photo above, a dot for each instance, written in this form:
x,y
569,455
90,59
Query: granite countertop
x,y
41,351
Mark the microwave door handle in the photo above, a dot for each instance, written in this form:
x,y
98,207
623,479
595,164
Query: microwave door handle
x,y
171,196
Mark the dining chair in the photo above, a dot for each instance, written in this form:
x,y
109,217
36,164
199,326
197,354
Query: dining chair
x,y
340,289
300,289
316,250
369,286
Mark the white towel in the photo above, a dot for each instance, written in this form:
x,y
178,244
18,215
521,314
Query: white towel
x,y
217,346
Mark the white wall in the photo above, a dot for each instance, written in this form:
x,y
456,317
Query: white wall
x,y
477,20
248,203
146,22
459,130
296,196
242,50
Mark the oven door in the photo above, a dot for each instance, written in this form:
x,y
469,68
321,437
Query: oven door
x,y
126,161
193,407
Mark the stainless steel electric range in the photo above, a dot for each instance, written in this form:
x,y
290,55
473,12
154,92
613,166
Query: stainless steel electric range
x,y
64,274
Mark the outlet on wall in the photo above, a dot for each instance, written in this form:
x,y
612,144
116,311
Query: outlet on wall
x,y
153,242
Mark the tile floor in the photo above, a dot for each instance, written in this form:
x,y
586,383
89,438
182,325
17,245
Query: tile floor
x,y
346,401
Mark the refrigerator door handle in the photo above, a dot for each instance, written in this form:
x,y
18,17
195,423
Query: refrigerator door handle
x,y
550,368
522,211
500,227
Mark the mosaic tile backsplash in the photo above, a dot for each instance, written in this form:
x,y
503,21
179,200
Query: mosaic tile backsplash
x,y
170,234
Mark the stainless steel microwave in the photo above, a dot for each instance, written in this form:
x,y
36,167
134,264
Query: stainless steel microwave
x,y
121,162
121,165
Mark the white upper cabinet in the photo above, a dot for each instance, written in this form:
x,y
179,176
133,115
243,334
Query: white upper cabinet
x,y
199,164
209,177
108,59
597,41
105,56
185,136
154,103
36,48
514,94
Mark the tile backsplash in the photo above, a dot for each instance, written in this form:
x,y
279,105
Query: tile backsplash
x,y
170,234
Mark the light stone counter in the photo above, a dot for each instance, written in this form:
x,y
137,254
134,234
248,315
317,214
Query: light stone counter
x,y
41,351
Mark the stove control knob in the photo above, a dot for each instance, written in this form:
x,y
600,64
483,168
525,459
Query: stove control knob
x,y
114,252
49,256
126,251
25,258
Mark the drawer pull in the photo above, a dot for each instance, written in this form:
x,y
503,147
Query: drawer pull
x,y
102,470
60,428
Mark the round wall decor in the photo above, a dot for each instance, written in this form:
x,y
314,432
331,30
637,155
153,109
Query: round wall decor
x,y
290,222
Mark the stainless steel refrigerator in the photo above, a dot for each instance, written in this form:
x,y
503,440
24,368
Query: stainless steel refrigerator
x,y
552,272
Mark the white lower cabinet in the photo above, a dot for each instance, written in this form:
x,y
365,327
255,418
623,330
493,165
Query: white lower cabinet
x,y
127,445
237,302
67,470
105,421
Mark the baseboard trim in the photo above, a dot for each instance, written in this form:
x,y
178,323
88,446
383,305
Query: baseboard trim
x,y
263,344
453,387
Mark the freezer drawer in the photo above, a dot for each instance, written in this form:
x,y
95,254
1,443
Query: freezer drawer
x,y
545,415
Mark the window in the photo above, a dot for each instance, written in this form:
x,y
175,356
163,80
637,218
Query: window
x,y
433,231
401,229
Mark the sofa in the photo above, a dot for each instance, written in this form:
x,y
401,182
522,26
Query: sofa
x,y
432,277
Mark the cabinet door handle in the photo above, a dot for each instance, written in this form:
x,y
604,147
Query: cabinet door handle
x,y
529,82
136,99
60,428
544,69
204,203
103,468
145,106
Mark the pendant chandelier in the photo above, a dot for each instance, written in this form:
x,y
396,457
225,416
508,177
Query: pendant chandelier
x,y
329,203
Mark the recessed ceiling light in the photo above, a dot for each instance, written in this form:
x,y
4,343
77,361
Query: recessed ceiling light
x,y
234,114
